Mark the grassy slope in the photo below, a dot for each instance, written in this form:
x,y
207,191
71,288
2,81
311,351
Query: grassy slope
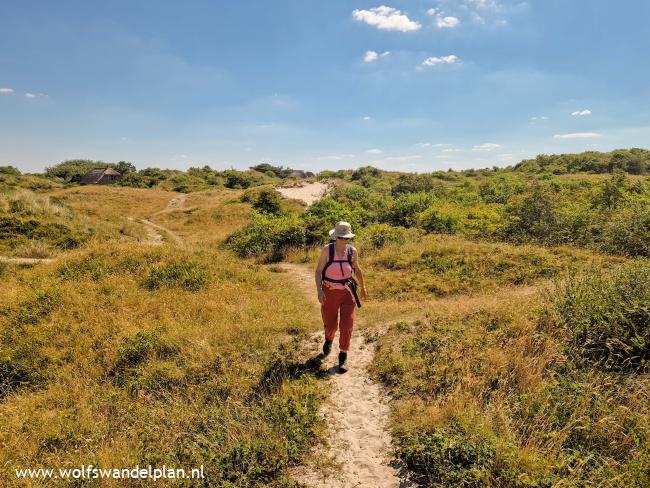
x,y
483,394
121,354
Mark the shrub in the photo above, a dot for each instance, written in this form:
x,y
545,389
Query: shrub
x,y
182,274
405,209
138,349
268,201
482,221
9,170
607,317
238,179
447,457
612,193
18,231
267,234
365,172
533,216
322,216
73,170
627,231
378,235
20,368
415,183
438,219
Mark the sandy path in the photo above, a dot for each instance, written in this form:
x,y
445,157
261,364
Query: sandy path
x,y
356,416
177,202
154,236
309,193
5,259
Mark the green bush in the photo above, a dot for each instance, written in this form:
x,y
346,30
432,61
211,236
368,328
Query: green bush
x,y
406,208
183,274
438,219
20,368
269,202
267,234
136,350
627,231
378,235
16,231
72,170
447,457
9,170
607,317
321,217
238,179
532,216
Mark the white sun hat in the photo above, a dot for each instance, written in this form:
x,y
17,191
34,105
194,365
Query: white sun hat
x,y
342,229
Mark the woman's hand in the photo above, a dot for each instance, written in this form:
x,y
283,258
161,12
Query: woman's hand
x,y
363,295
321,297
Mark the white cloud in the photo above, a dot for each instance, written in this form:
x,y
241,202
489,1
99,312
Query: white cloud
x,y
30,95
386,18
535,119
433,60
374,151
447,22
484,4
385,53
577,135
399,159
580,113
367,118
370,56
337,157
488,146
6,90
451,150
443,21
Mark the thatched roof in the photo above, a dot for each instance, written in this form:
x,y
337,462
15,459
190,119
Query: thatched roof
x,y
96,174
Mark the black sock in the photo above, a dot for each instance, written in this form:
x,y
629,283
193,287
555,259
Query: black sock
x,y
343,356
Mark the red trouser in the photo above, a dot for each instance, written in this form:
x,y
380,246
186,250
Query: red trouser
x,y
336,300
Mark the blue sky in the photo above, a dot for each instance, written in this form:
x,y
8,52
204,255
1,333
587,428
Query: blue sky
x,y
408,85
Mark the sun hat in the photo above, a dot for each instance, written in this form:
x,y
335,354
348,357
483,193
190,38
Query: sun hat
x,y
342,229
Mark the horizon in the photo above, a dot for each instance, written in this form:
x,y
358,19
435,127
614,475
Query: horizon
x,y
416,86
317,172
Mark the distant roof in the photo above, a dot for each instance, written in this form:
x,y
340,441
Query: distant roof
x,y
96,174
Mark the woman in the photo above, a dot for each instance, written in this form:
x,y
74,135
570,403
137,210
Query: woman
x,y
334,293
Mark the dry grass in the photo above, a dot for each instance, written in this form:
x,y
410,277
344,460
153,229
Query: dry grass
x,y
484,384
119,354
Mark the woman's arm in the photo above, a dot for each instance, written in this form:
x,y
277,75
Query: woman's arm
x,y
358,272
318,275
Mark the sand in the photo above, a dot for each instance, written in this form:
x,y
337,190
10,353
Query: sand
x,y
309,193
359,444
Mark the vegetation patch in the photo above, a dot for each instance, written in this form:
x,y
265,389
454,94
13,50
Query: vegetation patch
x,y
187,275
607,317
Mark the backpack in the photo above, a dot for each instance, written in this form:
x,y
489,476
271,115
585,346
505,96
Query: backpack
x,y
331,260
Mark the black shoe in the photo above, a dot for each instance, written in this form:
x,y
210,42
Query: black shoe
x,y
343,357
327,348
